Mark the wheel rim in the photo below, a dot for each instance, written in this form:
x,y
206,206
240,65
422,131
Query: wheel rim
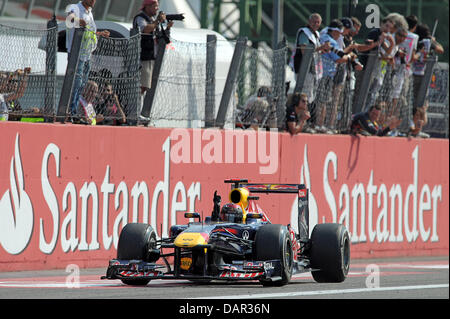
x,y
287,255
346,255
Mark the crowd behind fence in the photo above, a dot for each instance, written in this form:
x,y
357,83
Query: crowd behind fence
x,y
210,84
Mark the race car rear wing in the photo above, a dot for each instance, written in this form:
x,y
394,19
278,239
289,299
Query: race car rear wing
x,y
299,189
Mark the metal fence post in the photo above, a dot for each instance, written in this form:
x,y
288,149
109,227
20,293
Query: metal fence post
x,y
305,66
150,95
210,93
279,85
361,97
72,65
50,69
133,68
425,83
231,80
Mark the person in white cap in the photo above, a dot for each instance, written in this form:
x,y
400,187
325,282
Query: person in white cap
x,y
80,15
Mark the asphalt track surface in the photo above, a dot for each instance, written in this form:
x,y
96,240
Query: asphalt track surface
x,y
399,278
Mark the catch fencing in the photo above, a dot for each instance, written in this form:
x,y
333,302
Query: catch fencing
x,y
27,71
210,84
336,96
261,88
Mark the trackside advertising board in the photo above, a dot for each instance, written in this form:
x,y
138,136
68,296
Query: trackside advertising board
x,y
66,191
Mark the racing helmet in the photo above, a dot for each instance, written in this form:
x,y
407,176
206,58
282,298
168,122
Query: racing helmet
x,y
231,213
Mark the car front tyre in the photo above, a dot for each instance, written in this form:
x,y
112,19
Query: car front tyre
x,y
330,252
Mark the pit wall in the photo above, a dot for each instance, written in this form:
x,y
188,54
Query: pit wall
x,y
66,191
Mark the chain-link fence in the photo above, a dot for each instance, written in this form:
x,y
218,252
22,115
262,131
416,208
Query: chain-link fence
x,y
336,91
181,94
114,67
438,109
213,83
27,77
261,88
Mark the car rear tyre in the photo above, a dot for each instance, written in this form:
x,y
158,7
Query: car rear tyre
x,y
135,243
330,252
273,242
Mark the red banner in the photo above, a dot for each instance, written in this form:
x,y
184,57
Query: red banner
x,y
66,191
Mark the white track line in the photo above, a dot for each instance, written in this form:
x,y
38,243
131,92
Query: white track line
x,y
325,292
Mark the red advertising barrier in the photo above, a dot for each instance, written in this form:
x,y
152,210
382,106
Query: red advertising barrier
x,y
66,191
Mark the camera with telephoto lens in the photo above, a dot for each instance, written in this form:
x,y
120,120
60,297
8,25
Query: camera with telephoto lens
x,y
175,17
172,17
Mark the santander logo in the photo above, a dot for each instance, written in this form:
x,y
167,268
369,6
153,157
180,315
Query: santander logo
x,y
16,210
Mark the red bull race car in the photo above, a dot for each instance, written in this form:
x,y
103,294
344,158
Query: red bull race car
x,y
237,242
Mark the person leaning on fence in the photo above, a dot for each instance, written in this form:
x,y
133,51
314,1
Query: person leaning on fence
x,y
349,42
376,39
418,121
383,37
399,69
12,88
329,90
81,15
257,110
148,21
108,109
366,123
86,104
427,45
307,36
409,47
297,113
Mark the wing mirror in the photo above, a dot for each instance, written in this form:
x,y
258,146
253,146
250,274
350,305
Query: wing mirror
x,y
192,215
255,215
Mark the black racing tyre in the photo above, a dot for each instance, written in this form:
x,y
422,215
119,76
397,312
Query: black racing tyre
x,y
135,242
273,242
330,252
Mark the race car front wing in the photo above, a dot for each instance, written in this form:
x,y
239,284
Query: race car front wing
x,y
137,269
241,270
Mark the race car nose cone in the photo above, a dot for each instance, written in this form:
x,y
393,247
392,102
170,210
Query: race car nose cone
x,y
189,240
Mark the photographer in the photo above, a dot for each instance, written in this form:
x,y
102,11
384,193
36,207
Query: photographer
x,y
149,21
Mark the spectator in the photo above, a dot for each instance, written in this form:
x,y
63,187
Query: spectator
x,y
297,113
12,88
355,63
427,46
329,92
349,39
366,123
399,72
355,47
309,36
392,68
409,47
3,108
257,110
410,43
385,43
418,121
86,110
81,14
109,111
376,39
343,72
148,22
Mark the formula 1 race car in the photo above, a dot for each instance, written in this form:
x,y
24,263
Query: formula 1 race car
x,y
237,242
